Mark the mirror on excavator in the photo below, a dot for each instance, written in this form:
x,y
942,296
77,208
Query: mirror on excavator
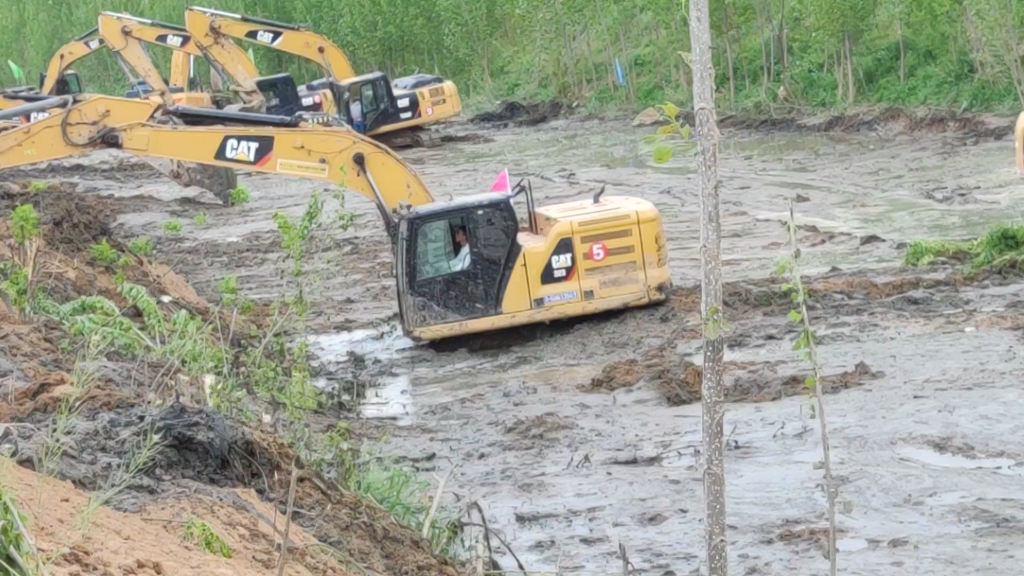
x,y
68,83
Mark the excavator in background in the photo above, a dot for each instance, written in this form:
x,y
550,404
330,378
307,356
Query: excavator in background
x,y
124,35
396,113
570,259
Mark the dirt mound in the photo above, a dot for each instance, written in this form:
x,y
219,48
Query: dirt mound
x,y
154,543
69,221
872,120
679,380
199,451
519,114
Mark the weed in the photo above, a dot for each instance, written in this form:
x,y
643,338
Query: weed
x,y
104,253
37,186
806,343
1001,247
173,227
142,247
200,219
239,196
24,223
203,535
17,554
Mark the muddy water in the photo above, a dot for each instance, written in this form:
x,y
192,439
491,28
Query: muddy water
x,y
927,453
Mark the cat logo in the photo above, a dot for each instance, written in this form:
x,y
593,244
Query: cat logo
x,y
251,150
28,118
271,37
93,43
175,40
561,266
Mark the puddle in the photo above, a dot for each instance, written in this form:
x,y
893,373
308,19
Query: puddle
x,y
933,458
390,399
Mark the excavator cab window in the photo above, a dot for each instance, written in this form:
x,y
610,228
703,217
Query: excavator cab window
x,y
68,83
436,291
281,94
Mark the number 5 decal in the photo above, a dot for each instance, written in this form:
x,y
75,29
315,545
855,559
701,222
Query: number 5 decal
x,y
598,251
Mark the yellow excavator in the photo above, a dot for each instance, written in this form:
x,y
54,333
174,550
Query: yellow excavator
x,y
571,259
124,35
396,113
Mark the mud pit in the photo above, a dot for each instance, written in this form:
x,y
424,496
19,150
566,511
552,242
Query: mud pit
x,y
566,475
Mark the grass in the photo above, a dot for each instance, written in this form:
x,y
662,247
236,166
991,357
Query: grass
x,y
1001,247
206,538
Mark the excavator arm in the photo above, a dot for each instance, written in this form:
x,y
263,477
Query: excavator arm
x,y
288,38
68,54
255,142
118,34
164,34
226,57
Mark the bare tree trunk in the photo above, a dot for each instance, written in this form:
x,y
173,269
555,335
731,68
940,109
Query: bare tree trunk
x,y
852,92
711,289
903,59
782,36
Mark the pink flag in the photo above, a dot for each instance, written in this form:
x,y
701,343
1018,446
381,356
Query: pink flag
x,y
502,184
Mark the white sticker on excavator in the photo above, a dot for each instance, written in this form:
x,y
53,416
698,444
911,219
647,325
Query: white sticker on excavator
x,y
405,115
403,102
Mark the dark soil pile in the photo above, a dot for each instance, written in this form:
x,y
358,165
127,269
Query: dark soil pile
x,y
514,113
201,451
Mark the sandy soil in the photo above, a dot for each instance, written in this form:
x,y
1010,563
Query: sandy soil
x,y
152,542
565,434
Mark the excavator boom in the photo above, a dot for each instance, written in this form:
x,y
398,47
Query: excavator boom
x,y
172,36
227,57
461,267
281,36
119,37
69,53
259,143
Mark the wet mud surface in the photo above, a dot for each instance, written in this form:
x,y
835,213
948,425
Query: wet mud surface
x,y
577,436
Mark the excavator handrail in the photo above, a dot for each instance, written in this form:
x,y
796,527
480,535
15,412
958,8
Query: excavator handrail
x,y
296,40
37,106
253,19
335,154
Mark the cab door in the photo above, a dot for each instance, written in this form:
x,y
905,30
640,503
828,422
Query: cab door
x,y
435,293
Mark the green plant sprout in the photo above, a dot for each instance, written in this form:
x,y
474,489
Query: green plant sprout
x,y
806,343
203,535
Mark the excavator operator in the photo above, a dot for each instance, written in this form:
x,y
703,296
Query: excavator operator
x,y
461,261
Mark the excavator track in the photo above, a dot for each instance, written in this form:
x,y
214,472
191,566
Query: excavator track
x,y
417,137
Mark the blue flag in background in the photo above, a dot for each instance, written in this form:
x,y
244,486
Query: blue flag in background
x,y
620,74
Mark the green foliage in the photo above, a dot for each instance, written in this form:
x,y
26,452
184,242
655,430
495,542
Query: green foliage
x,y
200,219
16,286
202,535
1000,247
142,246
956,53
239,196
15,550
294,236
104,253
37,186
173,227
24,223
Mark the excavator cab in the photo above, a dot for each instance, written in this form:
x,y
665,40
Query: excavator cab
x,y
68,83
379,102
431,289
